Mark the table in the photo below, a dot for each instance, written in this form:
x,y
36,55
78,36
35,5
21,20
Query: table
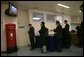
x,y
51,43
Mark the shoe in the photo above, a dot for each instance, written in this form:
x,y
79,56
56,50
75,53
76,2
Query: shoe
x,y
67,47
59,50
43,52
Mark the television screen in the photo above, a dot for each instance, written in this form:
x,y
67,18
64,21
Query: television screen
x,y
12,10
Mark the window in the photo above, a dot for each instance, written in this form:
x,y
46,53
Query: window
x,y
37,16
50,17
59,18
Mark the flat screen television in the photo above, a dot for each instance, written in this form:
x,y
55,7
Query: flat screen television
x,y
11,10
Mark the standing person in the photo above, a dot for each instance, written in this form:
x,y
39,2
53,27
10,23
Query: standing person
x,y
78,28
81,27
43,37
67,36
81,35
31,36
59,36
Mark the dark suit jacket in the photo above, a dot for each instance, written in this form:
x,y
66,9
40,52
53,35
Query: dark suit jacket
x,y
43,35
66,27
58,31
31,32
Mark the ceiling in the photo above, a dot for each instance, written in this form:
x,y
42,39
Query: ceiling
x,y
50,6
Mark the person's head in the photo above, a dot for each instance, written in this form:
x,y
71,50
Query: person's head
x,y
30,25
42,23
65,21
78,24
57,23
81,7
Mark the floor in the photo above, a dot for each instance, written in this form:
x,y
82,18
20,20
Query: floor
x,y
24,51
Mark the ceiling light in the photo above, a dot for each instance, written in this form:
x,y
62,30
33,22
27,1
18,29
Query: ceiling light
x,y
63,5
35,18
79,11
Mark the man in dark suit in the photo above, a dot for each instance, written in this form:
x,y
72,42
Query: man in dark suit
x,y
67,36
81,28
43,37
59,36
78,30
31,36
81,34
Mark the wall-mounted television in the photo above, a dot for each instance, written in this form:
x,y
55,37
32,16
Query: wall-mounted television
x,y
11,10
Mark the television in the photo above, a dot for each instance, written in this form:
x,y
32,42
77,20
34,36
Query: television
x,y
11,10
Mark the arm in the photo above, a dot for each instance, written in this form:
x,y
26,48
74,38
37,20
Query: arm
x,y
67,27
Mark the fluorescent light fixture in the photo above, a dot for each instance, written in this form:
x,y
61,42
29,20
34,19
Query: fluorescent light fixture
x,y
79,11
36,18
63,5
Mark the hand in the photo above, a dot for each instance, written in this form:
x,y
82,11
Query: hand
x,y
51,30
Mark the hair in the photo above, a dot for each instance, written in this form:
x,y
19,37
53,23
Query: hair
x,y
81,5
43,23
57,22
29,24
65,21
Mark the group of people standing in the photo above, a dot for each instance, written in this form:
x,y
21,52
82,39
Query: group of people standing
x,y
79,29
62,36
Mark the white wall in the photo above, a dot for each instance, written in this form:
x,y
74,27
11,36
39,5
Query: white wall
x,y
22,18
22,35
